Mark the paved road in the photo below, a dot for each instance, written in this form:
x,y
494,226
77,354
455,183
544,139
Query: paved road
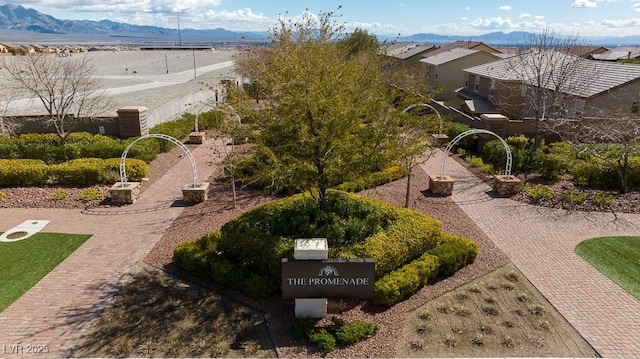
x,y
540,242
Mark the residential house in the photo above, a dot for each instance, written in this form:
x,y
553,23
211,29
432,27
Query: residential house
x,y
38,48
586,51
620,53
3,49
446,68
407,53
13,48
590,88
471,45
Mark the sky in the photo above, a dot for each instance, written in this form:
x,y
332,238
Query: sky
x,y
402,17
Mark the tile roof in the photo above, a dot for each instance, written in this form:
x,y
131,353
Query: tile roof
x,y
587,77
619,53
448,56
404,51
458,44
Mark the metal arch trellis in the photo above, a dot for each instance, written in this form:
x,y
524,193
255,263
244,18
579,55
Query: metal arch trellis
x,y
412,106
123,171
507,170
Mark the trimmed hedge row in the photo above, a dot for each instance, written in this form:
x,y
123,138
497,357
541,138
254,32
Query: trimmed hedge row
x,y
48,147
408,247
374,179
85,171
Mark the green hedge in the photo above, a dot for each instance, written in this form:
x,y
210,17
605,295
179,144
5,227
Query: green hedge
x,y
374,179
17,173
402,283
246,253
80,172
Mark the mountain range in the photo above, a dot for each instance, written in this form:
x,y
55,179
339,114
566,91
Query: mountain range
x,y
20,24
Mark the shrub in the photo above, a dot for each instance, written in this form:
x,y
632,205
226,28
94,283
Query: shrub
x,y
322,339
453,129
16,173
90,194
3,195
602,199
595,172
525,157
539,192
477,162
373,180
339,332
58,195
574,196
454,253
402,283
354,332
557,160
84,171
246,253
136,169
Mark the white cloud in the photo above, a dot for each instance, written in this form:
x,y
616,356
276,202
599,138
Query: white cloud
x,y
492,23
467,8
464,18
505,8
525,16
636,7
583,3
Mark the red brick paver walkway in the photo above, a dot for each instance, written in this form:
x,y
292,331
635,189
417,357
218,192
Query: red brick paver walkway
x,y
540,242
59,309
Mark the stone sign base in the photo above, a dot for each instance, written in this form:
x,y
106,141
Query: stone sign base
x,y
441,185
194,194
197,137
126,193
506,185
311,307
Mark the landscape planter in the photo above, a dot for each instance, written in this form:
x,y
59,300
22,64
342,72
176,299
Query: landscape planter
x,y
506,185
124,193
194,194
197,137
441,185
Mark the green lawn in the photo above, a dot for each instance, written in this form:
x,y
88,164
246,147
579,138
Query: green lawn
x,y
24,263
616,257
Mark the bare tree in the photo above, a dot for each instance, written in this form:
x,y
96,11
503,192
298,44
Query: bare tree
x,y
7,125
66,87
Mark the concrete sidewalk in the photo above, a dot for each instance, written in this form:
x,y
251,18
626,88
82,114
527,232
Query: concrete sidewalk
x,y
540,242
59,309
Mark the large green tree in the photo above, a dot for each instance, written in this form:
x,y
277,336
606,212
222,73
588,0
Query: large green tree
x,y
327,114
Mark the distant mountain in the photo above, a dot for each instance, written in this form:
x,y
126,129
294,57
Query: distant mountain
x,y
18,18
20,24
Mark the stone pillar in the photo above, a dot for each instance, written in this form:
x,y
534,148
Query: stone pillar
x,y
197,137
440,138
124,193
133,121
194,194
441,185
311,249
506,185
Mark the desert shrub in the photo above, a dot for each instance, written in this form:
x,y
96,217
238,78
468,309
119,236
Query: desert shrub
x,y
453,129
557,160
454,253
3,195
574,196
322,339
16,173
477,162
602,199
211,119
58,195
539,192
373,180
595,172
90,194
347,334
402,283
339,332
525,156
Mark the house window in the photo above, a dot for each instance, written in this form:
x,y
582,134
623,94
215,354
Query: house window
x,y
466,81
635,107
436,73
476,86
492,88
